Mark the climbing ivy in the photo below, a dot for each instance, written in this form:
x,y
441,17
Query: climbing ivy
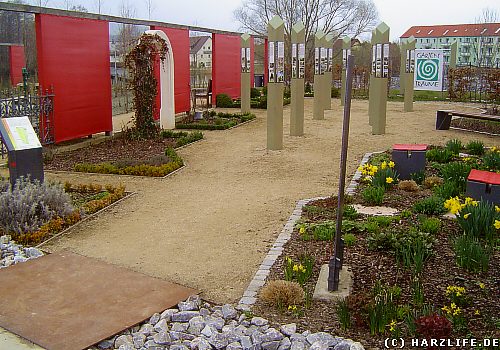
x,y
140,62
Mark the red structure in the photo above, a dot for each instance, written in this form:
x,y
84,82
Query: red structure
x,y
226,66
179,39
73,57
16,63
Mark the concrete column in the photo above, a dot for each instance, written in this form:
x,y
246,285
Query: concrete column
x,y
318,103
372,75
245,73
328,41
346,50
379,90
297,85
453,55
402,70
275,30
409,73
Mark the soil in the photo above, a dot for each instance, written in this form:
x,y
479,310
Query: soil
x,y
210,225
491,127
114,150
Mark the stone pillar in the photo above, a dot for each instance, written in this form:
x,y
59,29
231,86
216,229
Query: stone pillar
x,y
245,73
402,69
346,51
318,103
328,41
379,89
453,55
370,85
275,30
409,73
297,85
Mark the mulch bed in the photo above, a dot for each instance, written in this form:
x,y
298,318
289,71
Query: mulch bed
x,y
369,266
113,150
492,127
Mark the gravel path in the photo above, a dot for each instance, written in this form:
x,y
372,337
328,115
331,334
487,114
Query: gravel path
x,y
210,225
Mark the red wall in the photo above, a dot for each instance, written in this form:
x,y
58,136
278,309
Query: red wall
x,y
179,39
73,57
226,67
17,62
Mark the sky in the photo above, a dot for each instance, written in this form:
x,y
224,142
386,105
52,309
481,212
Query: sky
x,y
399,15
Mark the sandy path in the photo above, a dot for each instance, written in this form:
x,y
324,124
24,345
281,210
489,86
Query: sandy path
x,y
210,225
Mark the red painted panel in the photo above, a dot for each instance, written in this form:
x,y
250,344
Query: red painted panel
x,y
252,62
17,62
226,67
266,61
179,39
73,57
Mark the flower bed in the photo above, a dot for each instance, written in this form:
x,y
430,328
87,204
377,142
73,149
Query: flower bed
x,y
215,121
31,213
154,157
415,274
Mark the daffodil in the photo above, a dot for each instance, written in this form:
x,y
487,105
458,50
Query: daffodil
x,y
383,165
295,268
497,224
466,216
481,285
477,312
497,208
302,230
389,180
391,164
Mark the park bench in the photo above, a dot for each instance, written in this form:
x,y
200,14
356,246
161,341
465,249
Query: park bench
x,y
443,118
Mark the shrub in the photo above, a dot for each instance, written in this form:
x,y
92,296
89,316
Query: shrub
x,y
433,327
455,146
432,181
430,225
430,206
470,254
408,186
254,93
373,195
308,88
171,134
335,93
382,240
349,239
192,137
26,206
491,161
324,231
382,221
223,101
439,155
281,293
475,147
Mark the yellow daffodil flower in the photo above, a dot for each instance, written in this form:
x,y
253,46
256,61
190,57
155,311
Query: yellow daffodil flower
x,y
466,216
497,224
389,180
391,164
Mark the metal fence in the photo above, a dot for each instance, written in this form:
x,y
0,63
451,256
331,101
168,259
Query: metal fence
x,y
38,106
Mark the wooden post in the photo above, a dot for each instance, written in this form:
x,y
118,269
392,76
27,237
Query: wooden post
x,y
346,51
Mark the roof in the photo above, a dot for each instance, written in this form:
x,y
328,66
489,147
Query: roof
x,y
453,30
197,42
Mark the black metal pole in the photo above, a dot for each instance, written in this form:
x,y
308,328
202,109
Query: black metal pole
x,y
335,264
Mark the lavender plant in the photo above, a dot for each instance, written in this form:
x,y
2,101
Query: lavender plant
x,y
29,204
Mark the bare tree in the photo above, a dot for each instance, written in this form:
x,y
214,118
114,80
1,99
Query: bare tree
x,y
98,6
336,17
485,48
150,6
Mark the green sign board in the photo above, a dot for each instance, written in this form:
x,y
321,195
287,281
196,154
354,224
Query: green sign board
x,y
429,66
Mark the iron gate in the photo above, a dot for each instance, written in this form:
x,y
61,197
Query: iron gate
x,y
37,106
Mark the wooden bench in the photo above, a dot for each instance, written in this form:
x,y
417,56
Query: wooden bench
x,y
443,118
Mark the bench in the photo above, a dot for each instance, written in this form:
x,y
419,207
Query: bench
x,y
443,118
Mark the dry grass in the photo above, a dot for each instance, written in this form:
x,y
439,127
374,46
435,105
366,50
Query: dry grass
x,y
408,186
281,293
432,181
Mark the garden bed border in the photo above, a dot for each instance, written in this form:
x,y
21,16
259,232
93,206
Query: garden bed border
x,y
126,175
259,280
128,195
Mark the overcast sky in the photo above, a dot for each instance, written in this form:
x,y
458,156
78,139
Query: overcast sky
x,y
398,14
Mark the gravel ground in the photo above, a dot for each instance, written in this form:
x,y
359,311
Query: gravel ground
x,y
210,225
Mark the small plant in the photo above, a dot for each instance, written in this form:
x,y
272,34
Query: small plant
x,y
439,155
430,206
433,326
374,195
432,181
470,254
414,252
223,101
454,314
299,271
382,221
456,172
350,212
349,239
405,214
418,177
491,160
408,186
187,139
343,313
475,147
382,240
383,310
417,292
281,293
457,295
430,225
455,146
447,190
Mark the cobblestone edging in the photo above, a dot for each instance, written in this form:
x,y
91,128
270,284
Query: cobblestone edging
x,y
250,295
